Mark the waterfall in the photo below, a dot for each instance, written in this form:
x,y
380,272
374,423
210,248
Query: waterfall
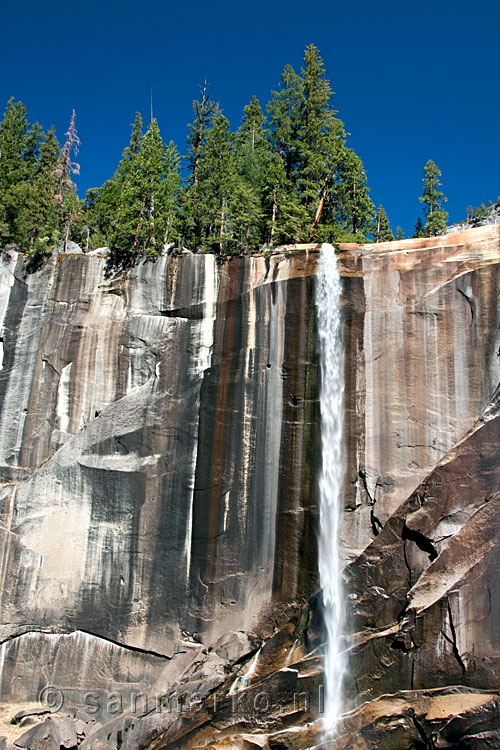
x,y
241,683
328,293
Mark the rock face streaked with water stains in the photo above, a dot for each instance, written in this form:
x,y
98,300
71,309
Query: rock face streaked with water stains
x,y
159,453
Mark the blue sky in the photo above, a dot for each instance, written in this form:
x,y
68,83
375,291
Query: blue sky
x,y
413,80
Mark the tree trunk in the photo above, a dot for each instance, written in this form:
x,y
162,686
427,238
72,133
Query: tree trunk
x,y
319,210
354,210
139,224
273,216
152,221
199,135
221,232
167,228
68,223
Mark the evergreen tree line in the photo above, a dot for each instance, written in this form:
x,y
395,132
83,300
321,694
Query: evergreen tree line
x,y
286,175
475,214
38,200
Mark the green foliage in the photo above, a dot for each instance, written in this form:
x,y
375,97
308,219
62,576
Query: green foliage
x,y
252,149
436,223
100,209
480,213
147,197
320,140
36,223
381,231
353,207
476,215
66,197
205,110
14,145
322,184
433,198
130,152
28,186
285,217
191,196
102,204
284,176
253,157
14,170
419,229
214,191
284,112
400,233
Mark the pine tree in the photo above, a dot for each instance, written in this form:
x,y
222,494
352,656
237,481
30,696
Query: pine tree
x,y
37,219
400,233
419,229
319,139
480,212
245,216
252,151
433,198
285,216
205,110
66,167
135,230
28,186
101,209
253,155
382,231
32,152
131,151
4,227
14,142
353,207
285,115
293,181
66,195
170,194
147,197
215,187
102,204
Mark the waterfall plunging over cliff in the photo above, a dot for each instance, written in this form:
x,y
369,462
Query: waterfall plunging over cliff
x,y
332,387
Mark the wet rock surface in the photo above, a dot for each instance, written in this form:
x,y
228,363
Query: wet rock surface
x,y
159,451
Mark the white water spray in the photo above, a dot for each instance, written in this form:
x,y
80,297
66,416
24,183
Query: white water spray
x,y
328,293
241,683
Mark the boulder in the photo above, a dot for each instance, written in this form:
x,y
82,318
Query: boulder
x,y
71,248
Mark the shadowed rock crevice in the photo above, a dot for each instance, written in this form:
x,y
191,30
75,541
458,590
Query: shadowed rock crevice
x,y
469,301
374,521
422,542
427,742
195,312
453,640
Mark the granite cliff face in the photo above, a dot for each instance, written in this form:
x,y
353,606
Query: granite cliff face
x,y
159,455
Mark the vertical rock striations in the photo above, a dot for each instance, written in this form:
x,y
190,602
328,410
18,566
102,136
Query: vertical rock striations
x,y
159,460
154,438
